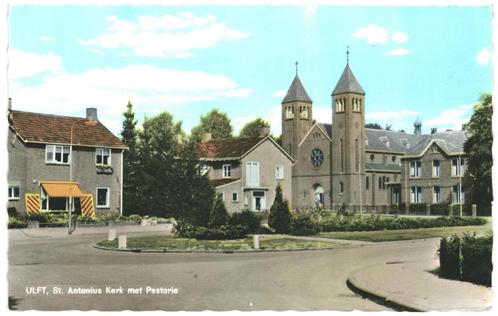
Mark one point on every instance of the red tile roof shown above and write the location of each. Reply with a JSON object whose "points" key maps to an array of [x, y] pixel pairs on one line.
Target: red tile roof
{"points": [[46, 128], [227, 147]]}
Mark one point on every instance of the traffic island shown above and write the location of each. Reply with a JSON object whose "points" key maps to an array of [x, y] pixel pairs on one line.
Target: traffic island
{"points": [[269, 243]]}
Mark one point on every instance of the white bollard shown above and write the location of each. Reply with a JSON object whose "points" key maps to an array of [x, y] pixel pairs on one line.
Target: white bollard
{"points": [[474, 210], [256, 241], [122, 242], [112, 235]]}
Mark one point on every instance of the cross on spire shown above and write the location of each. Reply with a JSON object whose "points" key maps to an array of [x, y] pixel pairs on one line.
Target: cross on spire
{"points": [[296, 63], [347, 55]]}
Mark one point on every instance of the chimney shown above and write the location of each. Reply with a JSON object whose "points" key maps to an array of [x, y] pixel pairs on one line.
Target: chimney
{"points": [[206, 137], [9, 105], [91, 114], [433, 130], [417, 127], [264, 131]]}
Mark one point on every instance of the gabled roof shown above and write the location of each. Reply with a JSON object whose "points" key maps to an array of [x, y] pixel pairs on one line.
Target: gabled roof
{"points": [[296, 92], [451, 142], [219, 182], [233, 148], [348, 83], [56, 129]]}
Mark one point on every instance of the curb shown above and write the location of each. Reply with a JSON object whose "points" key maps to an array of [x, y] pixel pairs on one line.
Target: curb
{"points": [[140, 250], [379, 298]]}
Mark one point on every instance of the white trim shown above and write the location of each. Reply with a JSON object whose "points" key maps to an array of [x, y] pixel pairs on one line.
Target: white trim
{"points": [[102, 149], [277, 173], [14, 198], [54, 161], [108, 202], [228, 174]]}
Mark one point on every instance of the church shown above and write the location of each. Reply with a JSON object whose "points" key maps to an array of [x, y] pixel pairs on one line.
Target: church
{"points": [[344, 163]]}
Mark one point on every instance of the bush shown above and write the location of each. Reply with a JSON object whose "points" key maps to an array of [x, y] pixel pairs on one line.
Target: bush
{"points": [[477, 265], [40, 217], [245, 218], [449, 257], [220, 233], [183, 229], [135, 218], [218, 215], [279, 218], [303, 225]]}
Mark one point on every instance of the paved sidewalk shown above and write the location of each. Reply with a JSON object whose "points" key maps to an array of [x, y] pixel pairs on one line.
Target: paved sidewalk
{"points": [[410, 286], [61, 232]]}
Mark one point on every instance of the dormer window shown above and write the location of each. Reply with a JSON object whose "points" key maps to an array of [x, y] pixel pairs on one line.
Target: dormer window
{"points": [[434, 149], [103, 157], [57, 154]]}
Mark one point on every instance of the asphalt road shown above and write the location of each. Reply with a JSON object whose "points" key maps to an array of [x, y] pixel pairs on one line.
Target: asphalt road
{"points": [[310, 280]]}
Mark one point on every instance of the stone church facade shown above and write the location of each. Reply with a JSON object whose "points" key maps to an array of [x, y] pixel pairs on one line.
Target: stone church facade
{"points": [[346, 163]]}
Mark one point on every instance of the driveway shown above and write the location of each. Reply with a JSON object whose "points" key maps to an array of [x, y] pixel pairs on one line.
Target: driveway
{"points": [[310, 280]]}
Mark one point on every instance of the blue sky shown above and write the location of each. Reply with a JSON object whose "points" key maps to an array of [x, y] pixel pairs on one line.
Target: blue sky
{"points": [[426, 62]]}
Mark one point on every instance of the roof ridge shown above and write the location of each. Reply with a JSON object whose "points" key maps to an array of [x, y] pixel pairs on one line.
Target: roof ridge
{"points": [[46, 114]]}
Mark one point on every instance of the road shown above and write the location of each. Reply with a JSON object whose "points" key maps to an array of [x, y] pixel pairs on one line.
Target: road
{"points": [[310, 280]]}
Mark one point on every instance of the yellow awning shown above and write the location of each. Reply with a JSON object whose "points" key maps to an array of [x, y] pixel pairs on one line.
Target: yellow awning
{"points": [[61, 188]]}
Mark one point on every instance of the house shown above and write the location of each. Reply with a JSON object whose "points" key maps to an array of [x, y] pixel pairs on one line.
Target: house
{"points": [[345, 163], [56, 162], [246, 171]]}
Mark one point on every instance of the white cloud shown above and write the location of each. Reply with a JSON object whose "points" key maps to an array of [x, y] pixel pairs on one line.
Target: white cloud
{"points": [[483, 57], [399, 37], [25, 64], [96, 51], [373, 33], [45, 38], [397, 119], [279, 93], [170, 36], [151, 89], [398, 52], [452, 118]]}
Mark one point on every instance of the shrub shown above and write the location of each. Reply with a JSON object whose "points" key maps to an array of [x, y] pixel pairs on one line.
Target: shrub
{"points": [[279, 218], [449, 257], [303, 225], [40, 217], [245, 218], [218, 215], [219, 233], [477, 265]]}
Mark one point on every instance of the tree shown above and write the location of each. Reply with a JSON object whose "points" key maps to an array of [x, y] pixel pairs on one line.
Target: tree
{"points": [[218, 215], [215, 122], [252, 128], [130, 160], [373, 125], [279, 218], [479, 154]]}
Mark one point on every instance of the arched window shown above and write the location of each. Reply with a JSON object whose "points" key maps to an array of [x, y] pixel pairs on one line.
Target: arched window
{"points": [[356, 155], [341, 187], [372, 156], [342, 156], [367, 182], [380, 183]]}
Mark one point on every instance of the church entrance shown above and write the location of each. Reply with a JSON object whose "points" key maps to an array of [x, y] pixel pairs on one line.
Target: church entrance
{"points": [[318, 199]]}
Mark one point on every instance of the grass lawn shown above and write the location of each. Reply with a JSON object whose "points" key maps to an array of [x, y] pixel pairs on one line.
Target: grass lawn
{"points": [[173, 243], [406, 234]]}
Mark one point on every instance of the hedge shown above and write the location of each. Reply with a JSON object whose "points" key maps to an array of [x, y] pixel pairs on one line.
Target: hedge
{"points": [[467, 259], [246, 218]]}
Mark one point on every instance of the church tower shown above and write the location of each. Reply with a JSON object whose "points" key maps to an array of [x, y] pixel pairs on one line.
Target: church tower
{"points": [[348, 135], [297, 116]]}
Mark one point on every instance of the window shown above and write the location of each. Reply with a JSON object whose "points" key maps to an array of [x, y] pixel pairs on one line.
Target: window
{"points": [[279, 172], [415, 168], [103, 157], [339, 105], [436, 194], [393, 158], [356, 105], [235, 197], [103, 197], [252, 173], [58, 204], [303, 112], [367, 183], [457, 165], [457, 196], [227, 171], [13, 192], [289, 112], [57, 154], [380, 183], [415, 195], [341, 188], [434, 149], [372, 156], [435, 169]]}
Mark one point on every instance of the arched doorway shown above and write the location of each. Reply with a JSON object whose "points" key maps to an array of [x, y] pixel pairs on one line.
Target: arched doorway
{"points": [[318, 197]]}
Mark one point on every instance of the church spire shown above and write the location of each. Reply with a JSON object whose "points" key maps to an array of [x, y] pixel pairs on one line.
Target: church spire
{"points": [[296, 91], [348, 83]]}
